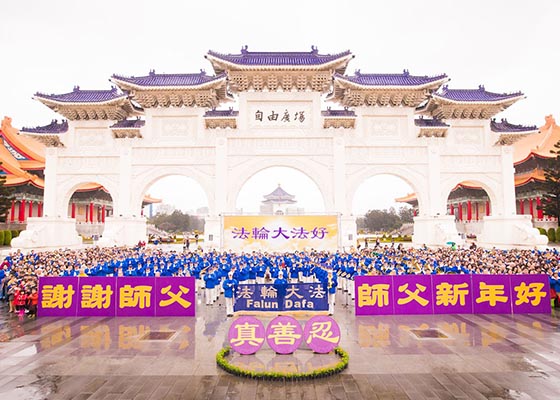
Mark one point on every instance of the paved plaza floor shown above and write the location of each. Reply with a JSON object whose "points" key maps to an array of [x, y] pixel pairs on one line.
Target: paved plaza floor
{"points": [[463, 356]]}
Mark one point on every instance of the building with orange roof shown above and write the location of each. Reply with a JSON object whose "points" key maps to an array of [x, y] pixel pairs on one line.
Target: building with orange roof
{"points": [[469, 202], [22, 154]]}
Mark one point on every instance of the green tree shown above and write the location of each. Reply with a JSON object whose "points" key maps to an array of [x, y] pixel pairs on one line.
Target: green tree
{"points": [[177, 222], [6, 194], [406, 215], [551, 186], [382, 220]]}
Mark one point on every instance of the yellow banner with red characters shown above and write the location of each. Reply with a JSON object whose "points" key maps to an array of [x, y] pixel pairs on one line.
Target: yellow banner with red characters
{"points": [[279, 233]]}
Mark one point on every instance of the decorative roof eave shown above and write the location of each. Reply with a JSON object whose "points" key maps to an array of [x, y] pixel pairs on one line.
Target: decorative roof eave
{"points": [[220, 123], [507, 139], [218, 81], [431, 131], [284, 201], [339, 122], [464, 110], [338, 65], [373, 97], [49, 140], [210, 98]]}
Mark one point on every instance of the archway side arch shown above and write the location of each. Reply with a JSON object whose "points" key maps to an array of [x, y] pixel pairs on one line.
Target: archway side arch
{"points": [[69, 186], [321, 178], [413, 177], [485, 182], [144, 180]]}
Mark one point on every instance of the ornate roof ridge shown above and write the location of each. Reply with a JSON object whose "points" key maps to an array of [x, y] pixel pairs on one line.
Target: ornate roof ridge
{"points": [[278, 58], [53, 128], [430, 122], [136, 123], [154, 79], [505, 126], [221, 113], [391, 79]]}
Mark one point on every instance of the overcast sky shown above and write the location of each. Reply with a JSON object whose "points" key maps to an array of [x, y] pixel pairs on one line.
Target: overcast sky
{"points": [[50, 46]]}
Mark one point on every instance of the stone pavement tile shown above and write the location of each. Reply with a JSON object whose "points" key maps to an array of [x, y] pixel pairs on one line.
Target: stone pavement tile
{"points": [[364, 387]]}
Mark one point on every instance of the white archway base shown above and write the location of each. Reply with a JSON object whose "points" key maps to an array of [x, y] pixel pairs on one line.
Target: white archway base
{"points": [[512, 230], [435, 231], [123, 231], [48, 232]]}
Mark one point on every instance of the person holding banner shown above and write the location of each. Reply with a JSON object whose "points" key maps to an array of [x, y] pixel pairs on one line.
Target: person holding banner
{"points": [[230, 287], [330, 284], [280, 285]]}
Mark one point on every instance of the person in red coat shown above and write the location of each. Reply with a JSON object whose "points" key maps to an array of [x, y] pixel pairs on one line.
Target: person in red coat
{"points": [[33, 300], [20, 299]]}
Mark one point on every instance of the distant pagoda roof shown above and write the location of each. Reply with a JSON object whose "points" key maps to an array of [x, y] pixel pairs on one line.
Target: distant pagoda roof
{"points": [[278, 60], [383, 90], [468, 103], [53, 128], [392, 80], [162, 81], [279, 195]]}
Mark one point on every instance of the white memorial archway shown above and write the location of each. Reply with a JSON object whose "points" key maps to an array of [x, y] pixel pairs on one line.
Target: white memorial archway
{"points": [[166, 124]]}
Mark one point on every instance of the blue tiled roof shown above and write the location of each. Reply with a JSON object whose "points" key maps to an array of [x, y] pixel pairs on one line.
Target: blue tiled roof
{"points": [[475, 95], [338, 113], [504, 126], [404, 79], [54, 127], [162, 80], [221, 113], [430, 123], [258, 58], [83, 96], [129, 124]]}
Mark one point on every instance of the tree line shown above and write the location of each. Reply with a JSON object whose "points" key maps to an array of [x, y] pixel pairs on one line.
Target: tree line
{"points": [[385, 220]]}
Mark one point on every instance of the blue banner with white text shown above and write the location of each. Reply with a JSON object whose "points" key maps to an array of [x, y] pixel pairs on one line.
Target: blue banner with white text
{"points": [[290, 297]]}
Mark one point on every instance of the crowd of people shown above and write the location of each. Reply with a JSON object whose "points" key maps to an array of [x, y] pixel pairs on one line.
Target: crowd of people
{"points": [[219, 272]]}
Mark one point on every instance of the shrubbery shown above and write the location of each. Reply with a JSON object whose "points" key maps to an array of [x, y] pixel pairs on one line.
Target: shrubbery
{"points": [[7, 238], [551, 234]]}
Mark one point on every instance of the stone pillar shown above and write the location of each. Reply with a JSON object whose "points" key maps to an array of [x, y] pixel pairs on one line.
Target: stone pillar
{"points": [[347, 222], [103, 213], [73, 212], [91, 212], [469, 211], [433, 226], [487, 207], [540, 212], [54, 229], [30, 213], [40, 209], [460, 211], [21, 216], [531, 208], [505, 227], [521, 206], [13, 211]]}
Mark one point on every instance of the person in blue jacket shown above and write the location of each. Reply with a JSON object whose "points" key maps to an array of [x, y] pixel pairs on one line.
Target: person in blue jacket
{"points": [[280, 284], [330, 283], [230, 287]]}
